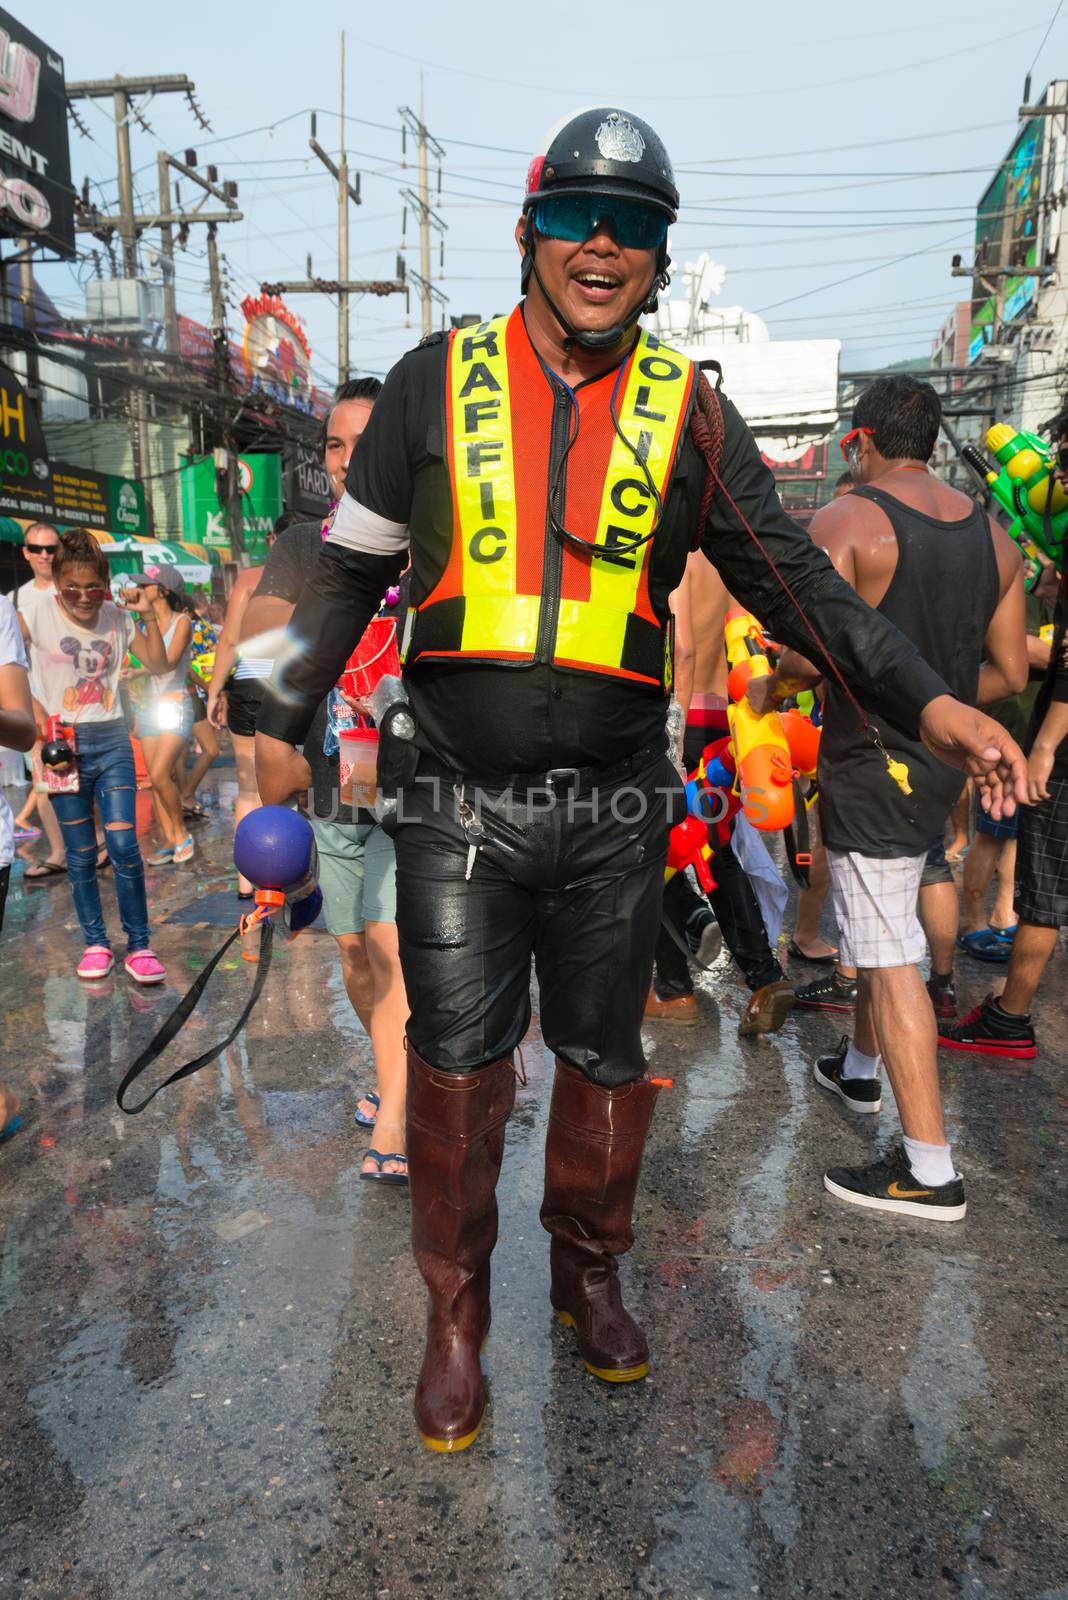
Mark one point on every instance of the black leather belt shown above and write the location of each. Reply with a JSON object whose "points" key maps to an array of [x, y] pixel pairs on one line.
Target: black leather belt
{"points": [[557, 781]]}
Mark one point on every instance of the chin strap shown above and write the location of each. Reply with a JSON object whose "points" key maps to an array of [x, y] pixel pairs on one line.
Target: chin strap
{"points": [[605, 338]]}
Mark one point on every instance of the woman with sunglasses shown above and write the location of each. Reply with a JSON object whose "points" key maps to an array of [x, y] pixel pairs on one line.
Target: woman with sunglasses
{"points": [[166, 719], [79, 642]]}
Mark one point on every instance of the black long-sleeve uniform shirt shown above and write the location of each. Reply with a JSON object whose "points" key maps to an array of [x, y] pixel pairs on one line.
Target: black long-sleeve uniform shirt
{"points": [[494, 719]]}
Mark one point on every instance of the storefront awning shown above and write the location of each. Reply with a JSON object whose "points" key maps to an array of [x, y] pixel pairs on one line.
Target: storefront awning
{"points": [[128, 555]]}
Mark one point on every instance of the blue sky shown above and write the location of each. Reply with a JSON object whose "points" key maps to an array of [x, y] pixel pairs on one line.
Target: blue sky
{"points": [[830, 156]]}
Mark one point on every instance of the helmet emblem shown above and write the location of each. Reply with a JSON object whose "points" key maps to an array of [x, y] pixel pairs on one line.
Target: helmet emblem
{"points": [[618, 139]]}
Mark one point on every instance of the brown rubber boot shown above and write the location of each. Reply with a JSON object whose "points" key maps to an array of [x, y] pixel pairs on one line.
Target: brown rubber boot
{"points": [[455, 1142], [593, 1154]]}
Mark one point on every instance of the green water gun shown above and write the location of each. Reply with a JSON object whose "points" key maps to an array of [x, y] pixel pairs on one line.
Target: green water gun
{"points": [[1027, 488]]}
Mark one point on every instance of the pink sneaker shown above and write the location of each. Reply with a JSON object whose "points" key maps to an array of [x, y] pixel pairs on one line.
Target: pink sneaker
{"points": [[97, 962], [144, 967]]}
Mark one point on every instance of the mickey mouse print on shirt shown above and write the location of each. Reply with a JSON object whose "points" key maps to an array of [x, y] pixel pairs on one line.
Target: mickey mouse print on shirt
{"points": [[90, 660]]}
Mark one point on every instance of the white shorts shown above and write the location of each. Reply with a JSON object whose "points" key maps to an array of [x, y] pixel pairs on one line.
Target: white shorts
{"points": [[875, 904]]}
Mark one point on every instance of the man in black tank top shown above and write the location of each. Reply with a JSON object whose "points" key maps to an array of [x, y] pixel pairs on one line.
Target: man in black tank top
{"points": [[934, 563]]}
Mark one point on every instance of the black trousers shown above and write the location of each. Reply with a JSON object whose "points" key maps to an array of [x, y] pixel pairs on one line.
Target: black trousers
{"points": [[571, 878], [734, 903]]}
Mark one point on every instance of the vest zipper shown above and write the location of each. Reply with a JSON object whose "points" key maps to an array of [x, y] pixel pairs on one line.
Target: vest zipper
{"points": [[552, 565]]}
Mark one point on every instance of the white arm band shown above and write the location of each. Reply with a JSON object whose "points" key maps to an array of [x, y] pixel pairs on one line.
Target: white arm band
{"points": [[359, 529]]}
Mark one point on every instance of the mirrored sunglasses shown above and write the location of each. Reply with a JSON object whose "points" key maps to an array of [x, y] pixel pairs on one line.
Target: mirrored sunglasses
{"points": [[577, 217]]}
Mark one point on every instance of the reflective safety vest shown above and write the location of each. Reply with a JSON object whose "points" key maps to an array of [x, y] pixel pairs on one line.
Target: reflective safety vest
{"points": [[512, 591]]}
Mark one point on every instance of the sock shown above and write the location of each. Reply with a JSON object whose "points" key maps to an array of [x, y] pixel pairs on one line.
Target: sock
{"points": [[931, 1163], [857, 1065]]}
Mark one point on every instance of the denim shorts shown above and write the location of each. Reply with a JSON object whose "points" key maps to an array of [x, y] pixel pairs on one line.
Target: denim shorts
{"points": [[166, 714]]}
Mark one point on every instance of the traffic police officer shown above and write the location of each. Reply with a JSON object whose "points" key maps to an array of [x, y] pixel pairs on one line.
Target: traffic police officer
{"points": [[547, 474]]}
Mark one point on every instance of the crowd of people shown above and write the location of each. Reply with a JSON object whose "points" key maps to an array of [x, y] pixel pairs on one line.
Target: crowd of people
{"points": [[559, 510]]}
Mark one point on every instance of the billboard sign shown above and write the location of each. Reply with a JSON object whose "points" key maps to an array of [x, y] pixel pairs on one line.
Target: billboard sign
{"points": [[259, 482], [33, 487], [276, 349], [36, 198], [1007, 232]]}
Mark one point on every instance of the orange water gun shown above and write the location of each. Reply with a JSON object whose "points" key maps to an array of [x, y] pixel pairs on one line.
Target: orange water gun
{"points": [[765, 767]]}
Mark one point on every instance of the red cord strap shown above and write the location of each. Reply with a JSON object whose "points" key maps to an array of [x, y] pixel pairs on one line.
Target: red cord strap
{"points": [[706, 430]]}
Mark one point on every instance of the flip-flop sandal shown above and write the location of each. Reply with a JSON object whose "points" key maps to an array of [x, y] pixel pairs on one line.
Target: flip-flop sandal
{"points": [[194, 813], [44, 869], [102, 859], [9, 1130], [385, 1177], [162, 858], [184, 851], [814, 961], [984, 945], [1007, 935], [367, 1122]]}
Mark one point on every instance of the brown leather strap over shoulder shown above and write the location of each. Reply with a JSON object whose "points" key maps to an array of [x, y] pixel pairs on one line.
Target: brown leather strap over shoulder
{"points": [[706, 431]]}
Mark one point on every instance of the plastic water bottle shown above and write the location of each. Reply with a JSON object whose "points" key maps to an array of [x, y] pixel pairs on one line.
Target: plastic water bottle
{"points": [[274, 848]]}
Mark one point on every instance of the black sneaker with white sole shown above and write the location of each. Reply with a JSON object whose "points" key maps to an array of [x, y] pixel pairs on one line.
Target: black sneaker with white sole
{"points": [[859, 1094], [891, 1185], [703, 937], [832, 993]]}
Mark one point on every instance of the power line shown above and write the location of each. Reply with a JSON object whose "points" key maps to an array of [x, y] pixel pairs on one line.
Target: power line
{"points": [[1045, 36]]}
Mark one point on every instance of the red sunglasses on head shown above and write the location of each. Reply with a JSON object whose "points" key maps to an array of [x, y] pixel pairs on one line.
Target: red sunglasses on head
{"points": [[851, 438]]}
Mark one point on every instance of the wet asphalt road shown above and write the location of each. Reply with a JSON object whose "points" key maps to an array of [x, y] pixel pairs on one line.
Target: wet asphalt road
{"points": [[210, 1329]]}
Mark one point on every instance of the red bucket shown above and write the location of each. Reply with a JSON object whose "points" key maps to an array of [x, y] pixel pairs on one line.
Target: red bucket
{"points": [[374, 658]]}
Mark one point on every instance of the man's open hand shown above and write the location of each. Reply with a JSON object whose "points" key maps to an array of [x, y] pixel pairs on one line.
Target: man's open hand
{"points": [[281, 771], [963, 737]]}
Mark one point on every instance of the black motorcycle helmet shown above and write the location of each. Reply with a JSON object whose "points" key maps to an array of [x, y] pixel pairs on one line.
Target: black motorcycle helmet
{"points": [[602, 151]]}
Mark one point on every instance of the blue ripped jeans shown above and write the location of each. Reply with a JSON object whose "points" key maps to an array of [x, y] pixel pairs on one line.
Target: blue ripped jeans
{"points": [[105, 775]]}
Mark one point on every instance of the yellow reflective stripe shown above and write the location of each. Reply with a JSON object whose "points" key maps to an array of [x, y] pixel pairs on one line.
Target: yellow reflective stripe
{"points": [[654, 396], [495, 618]]}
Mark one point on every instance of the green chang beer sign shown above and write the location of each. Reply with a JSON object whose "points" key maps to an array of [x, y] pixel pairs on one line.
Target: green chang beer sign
{"points": [[127, 506]]}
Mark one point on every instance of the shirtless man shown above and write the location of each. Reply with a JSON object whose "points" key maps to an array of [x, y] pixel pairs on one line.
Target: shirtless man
{"points": [[700, 605]]}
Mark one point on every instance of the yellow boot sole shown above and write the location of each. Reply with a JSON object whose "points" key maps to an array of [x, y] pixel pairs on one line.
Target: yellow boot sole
{"points": [[607, 1374], [462, 1442]]}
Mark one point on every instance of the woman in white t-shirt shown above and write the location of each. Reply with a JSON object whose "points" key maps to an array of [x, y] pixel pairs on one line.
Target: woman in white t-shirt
{"points": [[165, 721], [79, 643]]}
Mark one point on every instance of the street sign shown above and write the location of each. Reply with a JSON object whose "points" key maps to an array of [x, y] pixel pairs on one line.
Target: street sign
{"points": [[36, 198], [308, 486]]}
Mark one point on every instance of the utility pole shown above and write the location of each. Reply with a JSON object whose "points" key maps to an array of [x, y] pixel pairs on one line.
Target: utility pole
{"points": [[343, 237], [123, 92], [25, 260], [166, 254], [341, 285], [426, 145], [235, 522]]}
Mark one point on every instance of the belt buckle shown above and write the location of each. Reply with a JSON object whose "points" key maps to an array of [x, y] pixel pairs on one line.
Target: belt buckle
{"points": [[555, 774]]}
